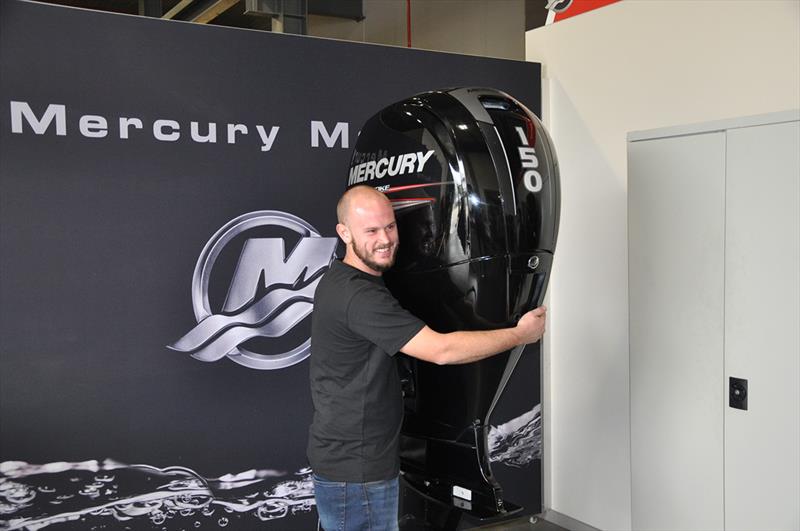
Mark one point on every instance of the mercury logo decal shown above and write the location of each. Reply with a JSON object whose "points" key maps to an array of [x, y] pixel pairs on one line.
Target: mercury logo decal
{"points": [[263, 267], [389, 166]]}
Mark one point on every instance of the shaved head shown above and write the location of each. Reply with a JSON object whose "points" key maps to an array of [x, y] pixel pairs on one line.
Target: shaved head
{"points": [[355, 197], [368, 229]]}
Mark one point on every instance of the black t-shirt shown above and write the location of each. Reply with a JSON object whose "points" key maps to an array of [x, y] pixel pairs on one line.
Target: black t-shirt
{"points": [[356, 328]]}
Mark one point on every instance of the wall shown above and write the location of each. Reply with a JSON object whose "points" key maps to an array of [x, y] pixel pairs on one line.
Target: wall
{"points": [[630, 66], [491, 28]]}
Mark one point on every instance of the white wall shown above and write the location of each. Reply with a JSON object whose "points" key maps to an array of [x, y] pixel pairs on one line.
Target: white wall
{"points": [[630, 66]]}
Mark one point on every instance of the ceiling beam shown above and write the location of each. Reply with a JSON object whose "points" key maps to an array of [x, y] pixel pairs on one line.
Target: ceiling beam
{"points": [[200, 11], [180, 6], [213, 11]]}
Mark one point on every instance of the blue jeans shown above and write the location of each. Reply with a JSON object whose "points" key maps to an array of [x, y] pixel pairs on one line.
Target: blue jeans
{"points": [[357, 506]]}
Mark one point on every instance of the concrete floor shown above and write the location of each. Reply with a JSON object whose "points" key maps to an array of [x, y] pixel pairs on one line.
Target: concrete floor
{"points": [[522, 524]]}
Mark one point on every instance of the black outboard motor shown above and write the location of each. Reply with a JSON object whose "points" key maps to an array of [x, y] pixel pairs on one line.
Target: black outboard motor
{"points": [[473, 178]]}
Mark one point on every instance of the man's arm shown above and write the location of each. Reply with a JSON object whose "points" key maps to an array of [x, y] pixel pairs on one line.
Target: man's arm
{"points": [[469, 346]]}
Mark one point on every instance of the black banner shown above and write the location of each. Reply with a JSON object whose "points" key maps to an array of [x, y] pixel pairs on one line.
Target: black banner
{"points": [[138, 160]]}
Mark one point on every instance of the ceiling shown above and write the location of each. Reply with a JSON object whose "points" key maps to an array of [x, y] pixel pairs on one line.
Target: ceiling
{"points": [[234, 12]]}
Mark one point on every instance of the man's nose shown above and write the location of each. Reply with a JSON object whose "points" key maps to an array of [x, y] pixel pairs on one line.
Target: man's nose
{"points": [[385, 236]]}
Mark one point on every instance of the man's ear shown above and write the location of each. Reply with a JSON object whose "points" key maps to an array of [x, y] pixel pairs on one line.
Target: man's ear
{"points": [[344, 233]]}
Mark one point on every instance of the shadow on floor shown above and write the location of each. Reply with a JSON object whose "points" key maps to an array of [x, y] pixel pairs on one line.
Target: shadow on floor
{"points": [[524, 523]]}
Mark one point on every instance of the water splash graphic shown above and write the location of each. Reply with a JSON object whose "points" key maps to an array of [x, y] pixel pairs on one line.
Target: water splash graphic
{"points": [[518, 442], [111, 495], [93, 495]]}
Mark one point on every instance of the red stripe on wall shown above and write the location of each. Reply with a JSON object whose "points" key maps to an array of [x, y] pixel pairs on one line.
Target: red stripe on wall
{"points": [[582, 6]]}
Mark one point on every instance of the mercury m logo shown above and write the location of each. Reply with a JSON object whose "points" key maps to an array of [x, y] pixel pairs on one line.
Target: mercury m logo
{"points": [[286, 285]]}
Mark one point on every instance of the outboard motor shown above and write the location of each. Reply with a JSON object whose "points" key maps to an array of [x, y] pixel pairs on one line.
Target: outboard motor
{"points": [[473, 178]]}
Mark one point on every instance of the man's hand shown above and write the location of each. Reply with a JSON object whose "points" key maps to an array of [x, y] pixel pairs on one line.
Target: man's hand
{"points": [[530, 326]]}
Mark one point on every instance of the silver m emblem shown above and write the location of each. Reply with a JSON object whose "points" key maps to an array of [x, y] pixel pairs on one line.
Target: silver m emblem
{"points": [[262, 264]]}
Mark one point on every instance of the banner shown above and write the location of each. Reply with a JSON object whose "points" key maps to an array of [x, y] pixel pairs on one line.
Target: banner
{"points": [[167, 194]]}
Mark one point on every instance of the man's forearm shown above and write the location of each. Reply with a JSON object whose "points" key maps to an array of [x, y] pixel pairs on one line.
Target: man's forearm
{"points": [[469, 346]]}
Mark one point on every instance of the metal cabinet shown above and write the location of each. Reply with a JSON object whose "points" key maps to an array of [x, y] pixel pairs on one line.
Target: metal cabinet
{"points": [[714, 288]]}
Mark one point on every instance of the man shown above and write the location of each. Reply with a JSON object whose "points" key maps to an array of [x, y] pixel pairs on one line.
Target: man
{"points": [[357, 326]]}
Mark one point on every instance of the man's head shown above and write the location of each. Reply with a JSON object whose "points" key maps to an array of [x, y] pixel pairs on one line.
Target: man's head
{"points": [[368, 228]]}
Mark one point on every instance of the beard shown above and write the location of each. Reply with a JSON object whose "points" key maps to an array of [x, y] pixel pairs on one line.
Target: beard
{"points": [[367, 257]]}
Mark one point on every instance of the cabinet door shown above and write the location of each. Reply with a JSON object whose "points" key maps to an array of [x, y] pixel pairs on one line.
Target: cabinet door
{"points": [[676, 200], [762, 327]]}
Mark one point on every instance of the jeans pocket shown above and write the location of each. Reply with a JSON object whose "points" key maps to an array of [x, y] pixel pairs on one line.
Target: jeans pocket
{"points": [[326, 482], [330, 498]]}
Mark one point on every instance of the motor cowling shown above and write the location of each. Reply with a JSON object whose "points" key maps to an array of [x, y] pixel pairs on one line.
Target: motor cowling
{"points": [[473, 178]]}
